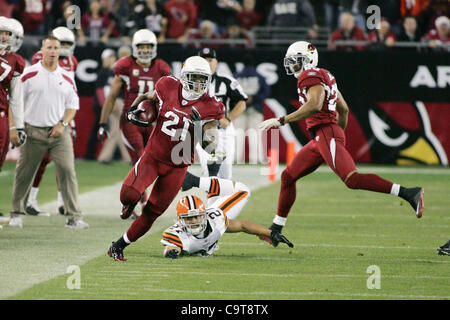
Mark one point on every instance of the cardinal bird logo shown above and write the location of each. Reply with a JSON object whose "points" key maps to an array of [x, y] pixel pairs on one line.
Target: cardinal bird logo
{"points": [[406, 140]]}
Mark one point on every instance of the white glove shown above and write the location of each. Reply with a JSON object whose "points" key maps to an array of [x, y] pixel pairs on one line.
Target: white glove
{"points": [[270, 123]]}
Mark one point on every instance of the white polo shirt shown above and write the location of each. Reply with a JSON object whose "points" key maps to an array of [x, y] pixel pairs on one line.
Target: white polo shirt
{"points": [[47, 95]]}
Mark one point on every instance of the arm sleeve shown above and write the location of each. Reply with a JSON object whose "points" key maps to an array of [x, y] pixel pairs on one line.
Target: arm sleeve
{"points": [[16, 101], [169, 238]]}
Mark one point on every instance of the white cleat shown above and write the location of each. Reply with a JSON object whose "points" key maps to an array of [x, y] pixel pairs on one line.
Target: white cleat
{"points": [[79, 224], [16, 222]]}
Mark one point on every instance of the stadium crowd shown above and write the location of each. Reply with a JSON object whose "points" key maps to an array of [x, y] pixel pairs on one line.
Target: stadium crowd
{"points": [[219, 23]]}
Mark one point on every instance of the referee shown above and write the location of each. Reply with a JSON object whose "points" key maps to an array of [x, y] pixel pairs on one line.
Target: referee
{"points": [[50, 103], [230, 92]]}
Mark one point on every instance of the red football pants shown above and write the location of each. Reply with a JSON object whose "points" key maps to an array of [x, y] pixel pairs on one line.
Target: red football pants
{"points": [[135, 138], [327, 146], [168, 182]]}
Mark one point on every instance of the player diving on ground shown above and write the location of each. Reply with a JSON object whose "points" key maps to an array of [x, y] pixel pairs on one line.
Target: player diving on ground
{"points": [[198, 229]]}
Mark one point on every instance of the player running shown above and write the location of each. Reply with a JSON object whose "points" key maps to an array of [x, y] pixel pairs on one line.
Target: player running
{"points": [[326, 114], [187, 114], [134, 76], [198, 229], [68, 62]]}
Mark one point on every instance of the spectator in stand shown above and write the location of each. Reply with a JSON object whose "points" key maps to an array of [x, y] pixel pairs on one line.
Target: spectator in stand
{"points": [[409, 32], [222, 12], [181, 18], [358, 9], [248, 17], [96, 23], [382, 37], [347, 31], [203, 36], [440, 34], [293, 13], [413, 8], [235, 32], [31, 13], [148, 15]]}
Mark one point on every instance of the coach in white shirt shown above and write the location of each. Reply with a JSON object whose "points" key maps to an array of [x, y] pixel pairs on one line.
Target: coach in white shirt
{"points": [[50, 103]]}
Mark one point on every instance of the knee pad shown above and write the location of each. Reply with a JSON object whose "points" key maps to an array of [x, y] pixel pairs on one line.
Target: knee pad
{"points": [[129, 195], [353, 181]]}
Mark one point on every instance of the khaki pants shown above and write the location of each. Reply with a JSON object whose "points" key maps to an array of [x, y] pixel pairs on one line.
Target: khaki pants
{"points": [[32, 152], [114, 137]]}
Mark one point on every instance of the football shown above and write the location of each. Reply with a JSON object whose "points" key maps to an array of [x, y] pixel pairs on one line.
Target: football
{"points": [[151, 111]]}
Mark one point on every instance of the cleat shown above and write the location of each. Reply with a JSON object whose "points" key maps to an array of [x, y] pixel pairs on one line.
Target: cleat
{"points": [[444, 250], [189, 182], [61, 210], [116, 253], [415, 198], [16, 222], [33, 209], [127, 211], [78, 224]]}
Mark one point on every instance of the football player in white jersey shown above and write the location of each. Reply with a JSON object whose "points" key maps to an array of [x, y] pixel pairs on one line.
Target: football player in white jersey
{"points": [[198, 229]]}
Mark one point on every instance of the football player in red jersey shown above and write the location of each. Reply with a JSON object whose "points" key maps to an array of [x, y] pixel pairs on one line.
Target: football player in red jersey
{"points": [[68, 62], [11, 102], [187, 114], [326, 114], [134, 76]]}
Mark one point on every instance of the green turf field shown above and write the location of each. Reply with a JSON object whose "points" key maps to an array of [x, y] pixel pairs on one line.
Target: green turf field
{"points": [[338, 234]]}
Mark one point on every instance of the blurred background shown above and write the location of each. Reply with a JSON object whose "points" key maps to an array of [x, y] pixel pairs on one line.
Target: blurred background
{"points": [[390, 59]]}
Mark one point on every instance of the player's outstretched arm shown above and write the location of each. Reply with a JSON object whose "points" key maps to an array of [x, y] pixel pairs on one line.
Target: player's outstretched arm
{"points": [[316, 96], [342, 110], [250, 227]]}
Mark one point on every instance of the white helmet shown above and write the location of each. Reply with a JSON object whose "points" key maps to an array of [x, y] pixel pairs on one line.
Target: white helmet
{"points": [[17, 34], [300, 55], [144, 36], [195, 76], [67, 39], [5, 25]]}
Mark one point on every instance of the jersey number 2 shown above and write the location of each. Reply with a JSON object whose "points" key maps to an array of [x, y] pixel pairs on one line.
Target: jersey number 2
{"points": [[174, 119]]}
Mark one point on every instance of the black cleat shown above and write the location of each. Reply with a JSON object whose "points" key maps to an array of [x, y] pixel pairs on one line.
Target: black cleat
{"points": [[415, 198], [444, 250], [31, 211], [61, 210], [116, 253], [190, 181]]}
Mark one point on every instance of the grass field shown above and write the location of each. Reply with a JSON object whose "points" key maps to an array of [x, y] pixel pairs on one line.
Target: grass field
{"points": [[338, 233]]}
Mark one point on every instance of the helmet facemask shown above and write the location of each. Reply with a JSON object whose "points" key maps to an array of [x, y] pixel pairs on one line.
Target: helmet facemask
{"points": [[194, 221], [195, 83], [67, 48], [145, 52], [295, 64]]}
